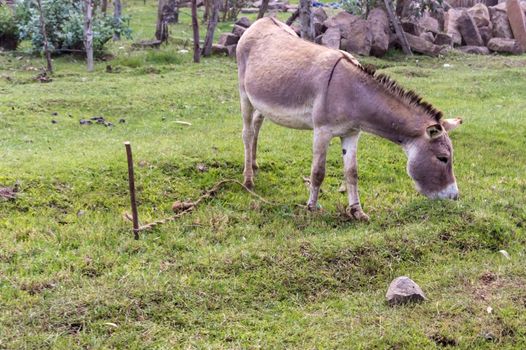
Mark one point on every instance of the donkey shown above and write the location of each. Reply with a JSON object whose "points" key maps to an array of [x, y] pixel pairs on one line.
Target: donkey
{"points": [[301, 85]]}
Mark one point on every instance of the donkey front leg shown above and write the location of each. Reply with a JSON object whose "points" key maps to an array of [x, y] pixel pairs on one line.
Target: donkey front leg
{"points": [[350, 169], [319, 155], [248, 139]]}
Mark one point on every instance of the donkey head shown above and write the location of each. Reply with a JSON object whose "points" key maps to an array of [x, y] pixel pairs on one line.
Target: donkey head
{"points": [[430, 161]]}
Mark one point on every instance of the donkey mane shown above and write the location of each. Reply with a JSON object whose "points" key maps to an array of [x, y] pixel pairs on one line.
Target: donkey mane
{"points": [[408, 95]]}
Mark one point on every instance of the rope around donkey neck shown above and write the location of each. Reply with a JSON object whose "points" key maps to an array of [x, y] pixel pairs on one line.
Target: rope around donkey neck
{"points": [[182, 208]]}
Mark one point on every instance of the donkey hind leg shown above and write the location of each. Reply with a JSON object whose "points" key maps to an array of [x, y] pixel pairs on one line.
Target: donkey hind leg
{"points": [[350, 169], [257, 121], [248, 138], [319, 155]]}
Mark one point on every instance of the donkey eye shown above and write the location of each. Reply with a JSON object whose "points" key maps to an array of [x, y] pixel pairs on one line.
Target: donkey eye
{"points": [[442, 159]]}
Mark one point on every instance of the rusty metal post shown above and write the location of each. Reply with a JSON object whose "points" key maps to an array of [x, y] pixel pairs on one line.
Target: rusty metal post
{"points": [[131, 182]]}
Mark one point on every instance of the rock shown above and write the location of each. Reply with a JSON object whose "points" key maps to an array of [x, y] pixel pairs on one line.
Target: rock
{"points": [[412, 28], [500, 23], [468, 29], [54, 113], [342, 20], [504, 45], [122, 121], [331, 38], [443, 39], [379, 26], [517, 22], [486, 34], [477, 50], [243, 22], [428, 36], [53, 121], [231, 49], [219, 50], [318, 17], [238, 30], [8, 192], [423, 46], [480, 14], [227, 39], [85, 122], [359, 38], [404, 290], [451, 25], [429, 23]]}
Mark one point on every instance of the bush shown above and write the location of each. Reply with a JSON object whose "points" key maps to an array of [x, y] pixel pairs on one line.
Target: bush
{"points": [[65, 26], [9, 37]]}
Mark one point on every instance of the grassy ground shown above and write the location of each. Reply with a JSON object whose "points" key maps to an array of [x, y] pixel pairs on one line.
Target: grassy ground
{"points": [[238, 273]]}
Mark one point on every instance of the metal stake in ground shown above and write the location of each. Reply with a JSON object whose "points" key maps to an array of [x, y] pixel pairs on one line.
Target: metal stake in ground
{"points": [[131, 181]]}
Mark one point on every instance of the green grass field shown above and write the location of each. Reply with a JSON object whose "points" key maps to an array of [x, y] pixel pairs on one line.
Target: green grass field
{"points": [[239, 273]]}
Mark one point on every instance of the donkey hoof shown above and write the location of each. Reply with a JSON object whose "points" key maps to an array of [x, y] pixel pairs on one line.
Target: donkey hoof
{"points": [[249, 183], [357, 214], [314, 207]]}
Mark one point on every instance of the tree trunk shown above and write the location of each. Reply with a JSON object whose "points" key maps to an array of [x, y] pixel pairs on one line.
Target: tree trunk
{"points": [[263, 8], [88, 33], [307, 31], [293, 17], [117, 13], [225, 10], [161, 29], [212, 23], [104, 6], [195, 29], [206, 14], [44, 35], [398, 28]]}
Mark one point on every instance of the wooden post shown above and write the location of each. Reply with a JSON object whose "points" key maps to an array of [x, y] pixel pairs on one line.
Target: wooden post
{"points": [[161, 30], [131, 182], [44, 35], [88, 34], [195, 28], [398, 28]]}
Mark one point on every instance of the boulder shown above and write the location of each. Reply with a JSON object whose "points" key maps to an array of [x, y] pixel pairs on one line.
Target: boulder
{"points": [[318, 17], [451, 25], [477, 50], [342, 20], [359, 37], [504, 45], [238, 30], [428, 36], [423, 46], [429, 23], [469, 30], [404, 290], [412, 27], [443, 39], [243, 22], [485, 33], [231, 49], [480, 14], [219, 50], [500, 23], [517, 22], [227, 39], [331, 38], [379, 26]]}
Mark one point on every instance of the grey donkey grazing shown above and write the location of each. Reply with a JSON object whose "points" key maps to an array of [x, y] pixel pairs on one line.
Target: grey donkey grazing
{"points": [[301, 85]]}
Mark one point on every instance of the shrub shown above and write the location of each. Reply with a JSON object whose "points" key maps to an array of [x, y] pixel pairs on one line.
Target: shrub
{"points": [[65, 26], [9, 37]]}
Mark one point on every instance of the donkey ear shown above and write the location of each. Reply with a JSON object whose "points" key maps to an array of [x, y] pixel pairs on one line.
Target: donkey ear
{"points": [[434, 131], [450, 124]]}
